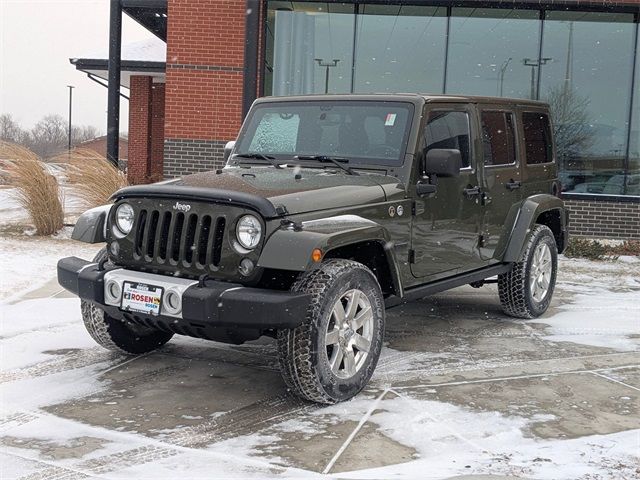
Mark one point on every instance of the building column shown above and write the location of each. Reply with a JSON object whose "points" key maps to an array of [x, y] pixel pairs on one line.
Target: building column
{"points": [[146, 130], [205, 71]]}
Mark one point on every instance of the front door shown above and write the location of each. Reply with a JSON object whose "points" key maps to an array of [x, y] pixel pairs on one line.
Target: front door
{"points": [[501, 176], [446, 225]]}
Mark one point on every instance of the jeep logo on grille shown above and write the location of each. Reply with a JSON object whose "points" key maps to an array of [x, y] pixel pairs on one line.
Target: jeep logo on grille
{"points": [[183, 207]]}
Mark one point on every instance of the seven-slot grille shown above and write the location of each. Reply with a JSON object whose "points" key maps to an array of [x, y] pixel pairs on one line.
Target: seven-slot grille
{"points": [[178, 238]]}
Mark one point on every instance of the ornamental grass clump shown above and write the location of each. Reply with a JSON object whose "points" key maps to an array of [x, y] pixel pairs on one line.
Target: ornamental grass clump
{"points": [[92, 178], [36, 190]]}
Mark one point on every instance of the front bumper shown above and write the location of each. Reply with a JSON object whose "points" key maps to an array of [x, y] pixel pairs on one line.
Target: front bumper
{"points": [[216, 304]]}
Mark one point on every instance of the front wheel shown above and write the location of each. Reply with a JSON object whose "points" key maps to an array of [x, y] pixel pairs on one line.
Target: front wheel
{"points": [[526, 290], [331, 356], [119, 335]]}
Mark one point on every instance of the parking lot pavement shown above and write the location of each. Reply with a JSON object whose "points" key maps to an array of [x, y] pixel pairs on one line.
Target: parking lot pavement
{"points": [[461, 391]]}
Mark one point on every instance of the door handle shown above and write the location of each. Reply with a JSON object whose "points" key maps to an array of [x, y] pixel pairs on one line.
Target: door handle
{"points": [[513, 184], [470, 192]]}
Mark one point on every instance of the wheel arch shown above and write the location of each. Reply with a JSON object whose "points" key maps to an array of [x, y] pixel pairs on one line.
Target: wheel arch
{"points": [[545, 209]]}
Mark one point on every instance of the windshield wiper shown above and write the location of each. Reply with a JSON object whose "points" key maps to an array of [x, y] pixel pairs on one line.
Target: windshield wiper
{"points": [[337, 161], [259, 156]]}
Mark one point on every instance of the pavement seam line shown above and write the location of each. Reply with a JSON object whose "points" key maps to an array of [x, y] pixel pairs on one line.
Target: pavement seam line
{"points": [[615, 381], [515, 377], [355, 431]]}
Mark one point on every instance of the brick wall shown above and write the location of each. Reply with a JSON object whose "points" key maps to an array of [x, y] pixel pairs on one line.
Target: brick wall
{"points": [[604, 219], [139, 128], [205, 68], [183, 157], [146, 130]]}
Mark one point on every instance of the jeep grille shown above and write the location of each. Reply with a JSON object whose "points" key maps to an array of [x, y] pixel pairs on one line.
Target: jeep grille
{"points": [[181, 239]]}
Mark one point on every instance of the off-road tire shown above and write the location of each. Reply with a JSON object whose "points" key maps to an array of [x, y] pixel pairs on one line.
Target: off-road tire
{"points": [[119, 335], [303, 359], [514, 286]]}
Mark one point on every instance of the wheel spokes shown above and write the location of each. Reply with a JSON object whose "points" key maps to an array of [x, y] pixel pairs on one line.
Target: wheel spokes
{"points": [[332, 337], [336, 360], [352, 305], [338, 313], [361, 343], [349, 362], [363, 315]]}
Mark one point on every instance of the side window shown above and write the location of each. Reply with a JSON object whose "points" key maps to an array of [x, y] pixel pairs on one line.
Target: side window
{"points": [[447, 129], [498, 138], [537, 138]]}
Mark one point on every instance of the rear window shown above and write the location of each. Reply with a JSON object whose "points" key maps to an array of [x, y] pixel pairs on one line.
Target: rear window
{"points": [[537, 138], [498, 138]]}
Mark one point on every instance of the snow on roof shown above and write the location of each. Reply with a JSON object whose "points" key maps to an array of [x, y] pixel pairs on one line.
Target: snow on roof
{"points": [[150, 50]]}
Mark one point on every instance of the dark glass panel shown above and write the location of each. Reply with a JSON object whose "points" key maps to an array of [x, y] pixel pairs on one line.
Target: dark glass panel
{"points": [[493, 52], [537, 138], [587, 83], [498, 138], [400, 48]]}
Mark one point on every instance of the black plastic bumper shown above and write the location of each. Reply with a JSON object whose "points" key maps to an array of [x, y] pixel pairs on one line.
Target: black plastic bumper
{"points": [[218, 304]]}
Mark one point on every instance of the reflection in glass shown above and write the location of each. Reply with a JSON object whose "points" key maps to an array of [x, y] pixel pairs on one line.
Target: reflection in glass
{"points": [[491, 52], [400, 48], [588, 87], [310, 46], [633, 174]]}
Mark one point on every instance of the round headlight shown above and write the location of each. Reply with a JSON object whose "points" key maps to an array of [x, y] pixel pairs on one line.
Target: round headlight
{"points": [[124, 218], [249, 232]]}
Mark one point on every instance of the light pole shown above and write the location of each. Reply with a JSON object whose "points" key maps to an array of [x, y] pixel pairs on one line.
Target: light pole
{"points": [[70, 87], [503, 70], [329, 64], [528, 62]]}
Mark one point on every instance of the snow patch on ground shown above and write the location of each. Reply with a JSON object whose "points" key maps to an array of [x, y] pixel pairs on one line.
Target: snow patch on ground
{"points": [[29, 262]]}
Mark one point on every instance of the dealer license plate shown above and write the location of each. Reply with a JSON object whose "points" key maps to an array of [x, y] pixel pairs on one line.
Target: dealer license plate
{"points": [[142, 298]]}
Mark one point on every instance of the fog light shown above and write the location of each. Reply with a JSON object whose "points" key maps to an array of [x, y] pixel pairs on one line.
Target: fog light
{"points": [[246, 267], [172, 302], [113, 291]]}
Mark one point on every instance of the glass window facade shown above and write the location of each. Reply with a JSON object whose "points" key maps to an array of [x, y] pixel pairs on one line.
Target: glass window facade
{"points": [[581, 63]]}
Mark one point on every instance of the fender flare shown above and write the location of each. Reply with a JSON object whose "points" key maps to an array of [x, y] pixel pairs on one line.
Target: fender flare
{"points": [[525, 219], [290, 248], [91, 225]]}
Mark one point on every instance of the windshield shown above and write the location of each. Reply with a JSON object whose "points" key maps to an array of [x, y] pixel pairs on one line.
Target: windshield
{"points": [[362, 131]]}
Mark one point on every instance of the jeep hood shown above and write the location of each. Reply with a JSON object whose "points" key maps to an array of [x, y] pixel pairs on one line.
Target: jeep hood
{"points": [[274, 192]]}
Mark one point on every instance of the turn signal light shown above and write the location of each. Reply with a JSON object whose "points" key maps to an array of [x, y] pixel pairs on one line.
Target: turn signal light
{"points": [[316, 255]]}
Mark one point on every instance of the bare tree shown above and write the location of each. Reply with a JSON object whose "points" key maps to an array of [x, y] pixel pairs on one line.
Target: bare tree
{"points": [[571, 122], [10, 131], [83, 134], [49, 136]]}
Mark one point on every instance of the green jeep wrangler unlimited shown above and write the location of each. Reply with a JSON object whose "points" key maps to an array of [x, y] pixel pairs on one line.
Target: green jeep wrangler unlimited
{"points": [[329, 209]]}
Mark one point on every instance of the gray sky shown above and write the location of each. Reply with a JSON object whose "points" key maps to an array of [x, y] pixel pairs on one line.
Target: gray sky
{"points": [[37, 38]]}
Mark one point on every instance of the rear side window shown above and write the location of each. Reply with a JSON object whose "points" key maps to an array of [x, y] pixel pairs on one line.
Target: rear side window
{"points": [[449, 129], [498, 138], [537, 138]]}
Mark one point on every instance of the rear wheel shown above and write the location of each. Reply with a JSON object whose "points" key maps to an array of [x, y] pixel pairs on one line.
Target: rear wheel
{"points": [[526, 290], [119, 335], [332, 355]]}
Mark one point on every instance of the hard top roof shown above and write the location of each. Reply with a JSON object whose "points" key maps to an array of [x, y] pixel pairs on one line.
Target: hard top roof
{"points": [[411, 97]]}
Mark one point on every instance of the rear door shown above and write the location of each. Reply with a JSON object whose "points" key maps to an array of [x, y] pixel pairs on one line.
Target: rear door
{"points": [[501, 181], [445, 226]]}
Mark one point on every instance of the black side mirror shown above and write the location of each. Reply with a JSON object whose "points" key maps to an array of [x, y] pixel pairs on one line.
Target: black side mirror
{"points": [[443, 162], [228, 148]]}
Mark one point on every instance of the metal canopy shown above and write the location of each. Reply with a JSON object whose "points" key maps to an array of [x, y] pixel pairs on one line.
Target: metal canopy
{"points": [[151, 14]]}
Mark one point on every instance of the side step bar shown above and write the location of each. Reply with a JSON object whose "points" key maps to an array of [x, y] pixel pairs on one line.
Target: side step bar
{"points": [[447, 283]]}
